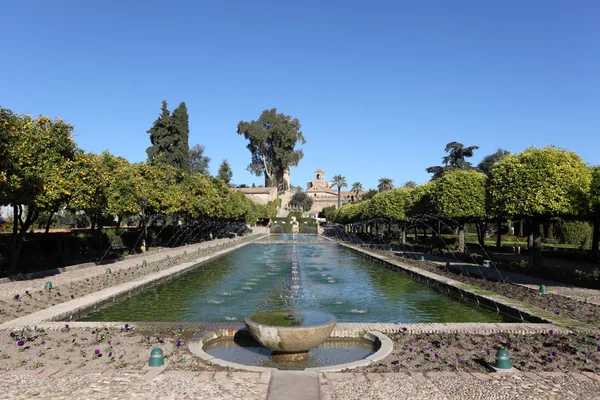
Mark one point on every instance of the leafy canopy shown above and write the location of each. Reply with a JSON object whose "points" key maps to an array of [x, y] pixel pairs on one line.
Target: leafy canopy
{"points": [[272, 140]]}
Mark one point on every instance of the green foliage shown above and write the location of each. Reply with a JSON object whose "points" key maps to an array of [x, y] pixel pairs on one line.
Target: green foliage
{"points": [[420, 200], [370, 194], [340, 182], [485, 166], [459, 194], [454, 160], [272, 139], [225, 173], [540, 183], [169, 136], [595, 191], [199, 163], [302, 200], [328, 213], [390, 205], [577, 233], [385, 184]]}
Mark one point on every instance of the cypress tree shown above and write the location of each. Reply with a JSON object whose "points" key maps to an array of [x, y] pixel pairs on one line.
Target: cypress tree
{"points": [[169, 136], [181, 148], [159, 135]]}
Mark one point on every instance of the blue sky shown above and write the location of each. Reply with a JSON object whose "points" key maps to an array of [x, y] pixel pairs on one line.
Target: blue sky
{"points": [[379, 87]]}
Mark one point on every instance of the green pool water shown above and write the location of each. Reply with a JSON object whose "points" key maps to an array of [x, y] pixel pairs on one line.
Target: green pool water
{"points": [[295, 276]]}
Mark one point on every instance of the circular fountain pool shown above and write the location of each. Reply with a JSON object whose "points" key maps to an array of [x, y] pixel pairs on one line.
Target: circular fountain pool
{"points": [[242, 351]]}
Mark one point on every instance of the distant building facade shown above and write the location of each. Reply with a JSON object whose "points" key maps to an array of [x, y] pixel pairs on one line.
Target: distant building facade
{"points": [[319, 190]]}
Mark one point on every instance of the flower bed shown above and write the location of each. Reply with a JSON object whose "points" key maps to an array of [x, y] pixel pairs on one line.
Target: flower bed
{"points": [[470, 353]]}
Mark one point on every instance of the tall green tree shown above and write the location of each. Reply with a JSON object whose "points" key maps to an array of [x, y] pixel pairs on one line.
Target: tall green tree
{"points": [[357, 189], [339, 181], [410, 184], [37, 157], [272, 140], [539, 184], [385, 184], [199, 163], [225, 173], [169, 136], [454, 160]]}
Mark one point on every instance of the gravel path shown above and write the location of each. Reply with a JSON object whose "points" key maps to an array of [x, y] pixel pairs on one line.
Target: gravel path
{"points": [[74, 384], [459, 386]]}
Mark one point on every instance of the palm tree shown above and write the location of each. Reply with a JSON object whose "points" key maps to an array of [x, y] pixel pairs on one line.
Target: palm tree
{"points": [[410, 184], [357, 187], [340, 182], [385, 184]]}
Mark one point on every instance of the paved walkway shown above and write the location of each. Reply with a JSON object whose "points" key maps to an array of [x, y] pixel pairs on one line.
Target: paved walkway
{"points": [[159, 384]]}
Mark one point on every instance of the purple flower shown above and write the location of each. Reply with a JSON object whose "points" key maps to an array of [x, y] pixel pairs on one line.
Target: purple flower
{"points": [[93, 331], [106, 329], [20, 343], [126, 326], [395, 362], [17, 297], [27, 292], [67, 326], [457, 358], [58, 293], [553, 354], [178, 343], [403, 329], [508, 344], [549, 359], [488, 352], [110, 354], [551, 332], [436, 356], [427, 334], [12, 334], [97, 351], [35, 328], [43, 342], [410, 350], [598, 348]]}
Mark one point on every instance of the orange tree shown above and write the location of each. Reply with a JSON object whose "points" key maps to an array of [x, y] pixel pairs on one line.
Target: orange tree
{"points": [[37, 157], [460, 195], [539, 184]]}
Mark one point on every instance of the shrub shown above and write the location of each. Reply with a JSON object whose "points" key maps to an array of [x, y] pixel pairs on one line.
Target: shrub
{"points": [[577, 233]]}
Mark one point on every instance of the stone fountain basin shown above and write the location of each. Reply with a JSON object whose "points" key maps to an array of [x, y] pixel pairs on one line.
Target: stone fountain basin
{"points": [[308, 330]]}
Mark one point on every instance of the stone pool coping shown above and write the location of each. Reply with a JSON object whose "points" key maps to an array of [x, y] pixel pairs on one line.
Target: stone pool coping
{"points": [[476, 294], [79, 306], [196, 347]]}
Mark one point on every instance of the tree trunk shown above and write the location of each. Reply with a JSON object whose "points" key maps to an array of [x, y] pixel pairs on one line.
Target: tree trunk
{"points": [[530, 239], [416, 234], [537, 245], [481, 227], [339, 197], [47, 230], [499, 235], [20, 228], [461, 237], [119, 219], [595, 239], [403, 234]]}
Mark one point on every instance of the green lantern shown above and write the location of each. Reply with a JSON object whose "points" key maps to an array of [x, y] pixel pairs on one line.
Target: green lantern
{"points": [[543, 289], [108, 271], [156, 357], [48, 285], [144, 263]]}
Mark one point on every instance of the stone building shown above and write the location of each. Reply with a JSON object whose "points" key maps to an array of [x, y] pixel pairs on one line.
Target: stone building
{"points": [[322, 194], [319, 190]]}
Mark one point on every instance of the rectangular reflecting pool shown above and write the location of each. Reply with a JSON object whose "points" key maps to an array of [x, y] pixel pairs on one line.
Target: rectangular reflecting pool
{"points": [[299, 275]]}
